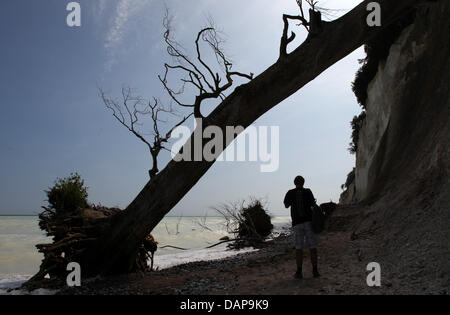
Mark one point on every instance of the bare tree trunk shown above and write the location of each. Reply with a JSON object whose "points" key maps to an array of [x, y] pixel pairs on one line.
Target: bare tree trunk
{"points": [[116, 250]]}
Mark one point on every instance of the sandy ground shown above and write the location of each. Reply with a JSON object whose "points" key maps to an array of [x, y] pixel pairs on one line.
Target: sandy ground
{"points": [[268, 271]]}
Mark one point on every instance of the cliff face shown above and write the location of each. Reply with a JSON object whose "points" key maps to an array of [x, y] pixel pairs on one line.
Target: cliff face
{"points": [[406, 127], [382, 94], [402, 187]]}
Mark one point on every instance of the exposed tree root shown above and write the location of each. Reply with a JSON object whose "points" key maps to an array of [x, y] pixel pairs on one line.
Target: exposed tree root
{"points": [[72, 232]]}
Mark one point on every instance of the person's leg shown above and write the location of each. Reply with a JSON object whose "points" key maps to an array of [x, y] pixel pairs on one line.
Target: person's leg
{"points": [[299, 245], [313, 257], [314, 262], [299, 259], [311, 241]]}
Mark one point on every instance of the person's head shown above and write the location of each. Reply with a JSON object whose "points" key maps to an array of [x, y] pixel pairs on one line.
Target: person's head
{"points": [[299, 181]]}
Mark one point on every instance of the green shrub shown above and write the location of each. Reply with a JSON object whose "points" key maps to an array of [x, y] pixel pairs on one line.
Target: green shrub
{"points": [[68, 194], [377, 50], [356, 124], [350, 179]]}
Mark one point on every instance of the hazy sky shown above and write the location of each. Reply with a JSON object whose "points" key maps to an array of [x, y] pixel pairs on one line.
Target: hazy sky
{"points": [[53, 123]]}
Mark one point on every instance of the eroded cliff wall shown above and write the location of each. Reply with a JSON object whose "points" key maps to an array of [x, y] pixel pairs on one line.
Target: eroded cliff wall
{"points": [[407, 110], [402, 187]]}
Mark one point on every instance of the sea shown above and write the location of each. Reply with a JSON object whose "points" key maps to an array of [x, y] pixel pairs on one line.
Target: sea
{"points": [[180, 240]]}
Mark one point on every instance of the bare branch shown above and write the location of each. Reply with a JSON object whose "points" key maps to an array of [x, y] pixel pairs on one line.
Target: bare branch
{"points": [[175, 247], [202, 223], [313, 26], [128, 111], [198, 74]]}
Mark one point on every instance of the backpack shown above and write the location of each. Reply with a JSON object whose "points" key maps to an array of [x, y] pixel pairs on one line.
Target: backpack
{"points": [[318, 219]]}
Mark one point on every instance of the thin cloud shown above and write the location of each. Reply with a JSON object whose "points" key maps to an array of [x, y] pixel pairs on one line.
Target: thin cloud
{"points": [[101, 7], [125, 12]]}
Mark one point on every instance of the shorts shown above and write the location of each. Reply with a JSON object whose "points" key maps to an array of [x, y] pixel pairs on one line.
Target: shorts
{"points": [[304, 236]]}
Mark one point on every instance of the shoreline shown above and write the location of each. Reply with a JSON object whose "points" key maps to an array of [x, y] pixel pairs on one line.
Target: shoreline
{"points": [[186, 278], [267, 271], [12, 283], [343, 260], [13, 277]]}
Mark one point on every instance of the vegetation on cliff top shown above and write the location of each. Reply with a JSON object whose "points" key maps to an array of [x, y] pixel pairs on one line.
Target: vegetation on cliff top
{"points": [[377, 51]]}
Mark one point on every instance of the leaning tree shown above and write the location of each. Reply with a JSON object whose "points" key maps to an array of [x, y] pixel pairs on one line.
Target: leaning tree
{"points": [[328, 42]]}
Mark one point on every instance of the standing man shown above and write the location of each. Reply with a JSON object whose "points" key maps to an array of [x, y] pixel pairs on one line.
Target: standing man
{"points": [[301, 200]]}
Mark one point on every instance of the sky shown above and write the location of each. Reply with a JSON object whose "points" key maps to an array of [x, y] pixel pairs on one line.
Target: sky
{"points": [[53, 122]]}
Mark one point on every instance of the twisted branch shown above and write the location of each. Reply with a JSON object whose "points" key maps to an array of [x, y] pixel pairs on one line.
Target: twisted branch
{"points": [[313, 26], [127, 113], [198, 73]]}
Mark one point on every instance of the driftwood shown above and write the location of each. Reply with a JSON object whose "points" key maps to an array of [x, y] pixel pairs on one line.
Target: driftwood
{"points": [[240, 240], [175, 247]]}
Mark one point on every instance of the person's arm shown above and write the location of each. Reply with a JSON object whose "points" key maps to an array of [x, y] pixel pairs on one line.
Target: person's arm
{"points": [[287, 200], [313, 199]]}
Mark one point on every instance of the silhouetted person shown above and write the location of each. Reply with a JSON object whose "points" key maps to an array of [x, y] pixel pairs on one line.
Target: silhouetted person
{"points": [[301, 200]]}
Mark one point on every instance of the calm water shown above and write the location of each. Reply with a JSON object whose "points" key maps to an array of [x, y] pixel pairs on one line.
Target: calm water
{"points": [[19, 259]]}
